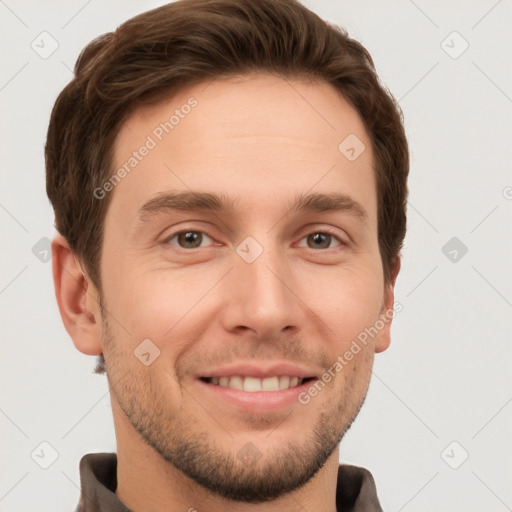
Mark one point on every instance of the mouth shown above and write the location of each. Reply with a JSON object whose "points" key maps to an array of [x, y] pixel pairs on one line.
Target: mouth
{"points": [[255, 384]]}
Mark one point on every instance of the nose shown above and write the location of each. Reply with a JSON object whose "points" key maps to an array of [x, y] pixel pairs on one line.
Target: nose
{"points": [[261, 297]]}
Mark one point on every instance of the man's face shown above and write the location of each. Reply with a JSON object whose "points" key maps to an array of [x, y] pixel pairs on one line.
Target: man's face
{"points": [[257, 289]]}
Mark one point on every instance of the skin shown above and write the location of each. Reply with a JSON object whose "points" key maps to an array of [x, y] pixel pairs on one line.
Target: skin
{"points": [[260, 140]]}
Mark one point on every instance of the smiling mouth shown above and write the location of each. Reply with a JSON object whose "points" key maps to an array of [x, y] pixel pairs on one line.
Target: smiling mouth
{"points": [[254, 384]]}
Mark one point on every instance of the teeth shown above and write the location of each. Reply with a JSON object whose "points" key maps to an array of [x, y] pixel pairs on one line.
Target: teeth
{"points": [[284, 382], [235, 382], [252, 384], [270, 384]]}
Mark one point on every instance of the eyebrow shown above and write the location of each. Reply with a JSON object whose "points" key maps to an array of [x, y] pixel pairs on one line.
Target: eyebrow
{"points": [[333, 202], [184, 201], [197, 201]]}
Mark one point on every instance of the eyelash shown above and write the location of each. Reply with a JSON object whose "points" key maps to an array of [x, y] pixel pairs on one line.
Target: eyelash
{"points": [[322, 231]]}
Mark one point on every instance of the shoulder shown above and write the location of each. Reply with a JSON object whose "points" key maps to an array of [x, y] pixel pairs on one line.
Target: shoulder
{"points": [[356, 490]]}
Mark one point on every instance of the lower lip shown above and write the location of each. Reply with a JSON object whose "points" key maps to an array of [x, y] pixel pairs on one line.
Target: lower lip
{"points": [[257, 401]]}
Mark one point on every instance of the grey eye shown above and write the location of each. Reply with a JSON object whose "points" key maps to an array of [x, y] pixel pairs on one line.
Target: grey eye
{"points": [[319, 240], [189, 239]]}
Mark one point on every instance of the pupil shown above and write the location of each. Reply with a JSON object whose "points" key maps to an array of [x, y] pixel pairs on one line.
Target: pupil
{"points": [[321, 240], [191, 237]]}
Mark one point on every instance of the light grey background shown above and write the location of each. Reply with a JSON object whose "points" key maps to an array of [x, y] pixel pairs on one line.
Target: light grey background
{"points": [[446, 376]]}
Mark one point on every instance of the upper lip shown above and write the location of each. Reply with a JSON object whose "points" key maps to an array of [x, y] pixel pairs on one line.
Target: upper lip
{"points": [[261, 371]]}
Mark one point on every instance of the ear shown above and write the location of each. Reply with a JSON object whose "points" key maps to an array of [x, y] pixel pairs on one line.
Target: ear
{"points": [[383, 339], [77, 299]]}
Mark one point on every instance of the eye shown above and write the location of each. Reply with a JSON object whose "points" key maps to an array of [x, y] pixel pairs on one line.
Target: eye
{"points": [[322, 240], [188, 239]]}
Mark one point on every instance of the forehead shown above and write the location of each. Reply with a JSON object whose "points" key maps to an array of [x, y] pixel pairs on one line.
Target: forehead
{"points": [[256, 137]]}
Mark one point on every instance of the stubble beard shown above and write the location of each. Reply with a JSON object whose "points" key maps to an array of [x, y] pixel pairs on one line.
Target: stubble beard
{"points": [[261, 475]]}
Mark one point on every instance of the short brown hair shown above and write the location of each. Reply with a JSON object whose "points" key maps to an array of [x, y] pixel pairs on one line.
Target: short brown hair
{"points": [[155, 54]]}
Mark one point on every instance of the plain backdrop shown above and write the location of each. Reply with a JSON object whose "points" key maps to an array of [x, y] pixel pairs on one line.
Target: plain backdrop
{"points": [[435, 428]]}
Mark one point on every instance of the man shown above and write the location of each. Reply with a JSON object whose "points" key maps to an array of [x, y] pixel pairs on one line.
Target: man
{"points": [[229, 185]]}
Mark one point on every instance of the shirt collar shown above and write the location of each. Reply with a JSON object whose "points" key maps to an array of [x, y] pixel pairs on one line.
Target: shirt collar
{"points": [[355, 491]]}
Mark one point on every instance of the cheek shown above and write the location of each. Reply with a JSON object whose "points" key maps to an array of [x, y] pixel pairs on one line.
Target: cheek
{"points": [[157, 302], [164, 304], [348, 302]]}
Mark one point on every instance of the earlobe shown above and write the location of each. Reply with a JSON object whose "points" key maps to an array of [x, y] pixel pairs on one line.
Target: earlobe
{"points": [[71, 290], [387, 313]]}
